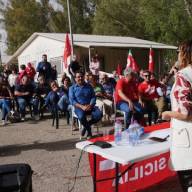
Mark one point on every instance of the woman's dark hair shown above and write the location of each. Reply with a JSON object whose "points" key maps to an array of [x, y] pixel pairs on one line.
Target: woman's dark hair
{"points": [[165, 75], [185, 51], [63, 77], [67, 79], [23, 67]]}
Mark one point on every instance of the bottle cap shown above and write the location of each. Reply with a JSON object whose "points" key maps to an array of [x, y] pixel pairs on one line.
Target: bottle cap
{"points": [[117, 120]]}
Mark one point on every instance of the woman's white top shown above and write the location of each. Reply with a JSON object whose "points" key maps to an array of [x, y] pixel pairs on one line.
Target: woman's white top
{"points": [[181, 101], [12, 79]]}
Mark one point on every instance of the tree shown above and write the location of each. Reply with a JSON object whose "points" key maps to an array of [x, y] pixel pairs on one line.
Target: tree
{"points": [[114, 17], [166, 21], [81, 15], [23, 18], [188, 7]]}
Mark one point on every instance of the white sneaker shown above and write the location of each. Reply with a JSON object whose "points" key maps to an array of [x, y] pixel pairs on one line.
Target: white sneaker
{"points": [[4, 122], [22, 119]]}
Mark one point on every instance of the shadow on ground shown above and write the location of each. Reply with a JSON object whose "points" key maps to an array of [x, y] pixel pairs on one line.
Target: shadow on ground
{"points": [[11, 150]]}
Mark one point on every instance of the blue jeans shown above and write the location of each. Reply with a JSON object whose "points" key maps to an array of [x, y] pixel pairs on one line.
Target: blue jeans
{"points": [[29, 101], [138, 114], [96, 115], [5, 107], [63, 103]]}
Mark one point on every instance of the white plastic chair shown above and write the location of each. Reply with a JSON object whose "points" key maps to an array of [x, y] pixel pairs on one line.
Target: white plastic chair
{"points": [[73, 117], [80, 126]]}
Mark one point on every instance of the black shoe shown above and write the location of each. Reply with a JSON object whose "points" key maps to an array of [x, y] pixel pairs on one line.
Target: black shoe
{"points": [[83, 132], [89, 137], [159, 121]]}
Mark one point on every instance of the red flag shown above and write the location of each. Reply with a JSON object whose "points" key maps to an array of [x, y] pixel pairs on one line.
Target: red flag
{"points": [[151, 60], [67, 50], [131, 62], [119, 69]]}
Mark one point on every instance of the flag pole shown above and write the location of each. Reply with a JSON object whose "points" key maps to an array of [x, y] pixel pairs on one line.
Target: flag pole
{"points": [[70, 28], [0, 57]]}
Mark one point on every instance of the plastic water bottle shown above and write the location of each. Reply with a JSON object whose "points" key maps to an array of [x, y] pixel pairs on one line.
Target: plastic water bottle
{"points": [[118, 132], [125, 137], [133, 134]]}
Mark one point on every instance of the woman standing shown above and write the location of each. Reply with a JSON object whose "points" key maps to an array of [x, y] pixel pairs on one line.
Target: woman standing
{"points": [[181, 117]]}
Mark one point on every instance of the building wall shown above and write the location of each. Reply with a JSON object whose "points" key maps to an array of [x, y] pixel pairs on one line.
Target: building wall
{"points": [[41, 45], [109, 57]]}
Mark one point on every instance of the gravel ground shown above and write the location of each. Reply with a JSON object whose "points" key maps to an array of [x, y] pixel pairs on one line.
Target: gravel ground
{"points": [[53, 157]]}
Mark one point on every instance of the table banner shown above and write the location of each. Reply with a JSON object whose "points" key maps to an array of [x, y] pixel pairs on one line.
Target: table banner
{"points": [[141, 175]]}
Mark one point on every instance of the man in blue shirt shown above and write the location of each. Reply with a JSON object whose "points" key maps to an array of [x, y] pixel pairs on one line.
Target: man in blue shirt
{"points": [[82, 97], [44, 68]]}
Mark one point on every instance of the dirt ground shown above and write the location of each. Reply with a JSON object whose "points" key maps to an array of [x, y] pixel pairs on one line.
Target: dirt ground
{"points": [[53, 157]]}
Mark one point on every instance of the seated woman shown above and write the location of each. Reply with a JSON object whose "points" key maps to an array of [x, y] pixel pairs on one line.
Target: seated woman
{"points": [[103, 100], [64, 100], [5, 99], [57, 98]]}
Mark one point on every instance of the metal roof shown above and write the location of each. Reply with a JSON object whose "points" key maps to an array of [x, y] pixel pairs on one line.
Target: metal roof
{"points": [[84, 40], [107, 41]]}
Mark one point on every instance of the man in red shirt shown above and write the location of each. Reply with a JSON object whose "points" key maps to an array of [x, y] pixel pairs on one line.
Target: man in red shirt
{"points": [[148, 95], [126, 97]]}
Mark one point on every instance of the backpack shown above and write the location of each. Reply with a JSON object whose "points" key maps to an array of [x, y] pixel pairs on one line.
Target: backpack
{"points": [[13, 116]]}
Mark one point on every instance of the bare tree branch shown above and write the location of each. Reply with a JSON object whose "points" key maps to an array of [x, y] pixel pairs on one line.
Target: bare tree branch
{"points": [[188, 8]]}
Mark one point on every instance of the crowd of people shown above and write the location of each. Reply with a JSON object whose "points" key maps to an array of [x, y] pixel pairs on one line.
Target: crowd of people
{"points": [[19, 89], [93, 93], [99, 95]]}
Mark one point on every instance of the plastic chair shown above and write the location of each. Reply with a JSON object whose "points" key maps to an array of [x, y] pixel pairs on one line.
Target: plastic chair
{"points": [[73, 118], [80, 126], [55, 116]]}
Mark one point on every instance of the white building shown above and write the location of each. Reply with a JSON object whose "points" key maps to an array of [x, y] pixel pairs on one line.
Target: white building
{"points": [[111, 50]]}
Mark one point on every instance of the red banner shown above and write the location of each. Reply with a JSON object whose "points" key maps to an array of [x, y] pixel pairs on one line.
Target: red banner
{"points": [[141, 175]]}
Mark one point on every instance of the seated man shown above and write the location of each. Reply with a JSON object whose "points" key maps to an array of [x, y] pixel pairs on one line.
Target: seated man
{"points": [[40, 92], [104, 101], [107, 85], [150, 98], [82, 97], [24, 92], [126, 97]]}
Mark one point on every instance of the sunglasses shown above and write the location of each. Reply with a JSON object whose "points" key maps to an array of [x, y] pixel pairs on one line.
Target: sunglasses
{"points": [[79, 77], [146, 75]]}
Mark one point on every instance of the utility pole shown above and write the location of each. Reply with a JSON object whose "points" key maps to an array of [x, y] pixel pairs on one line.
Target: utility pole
{"points": [[0, 57], [70, 28]]}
